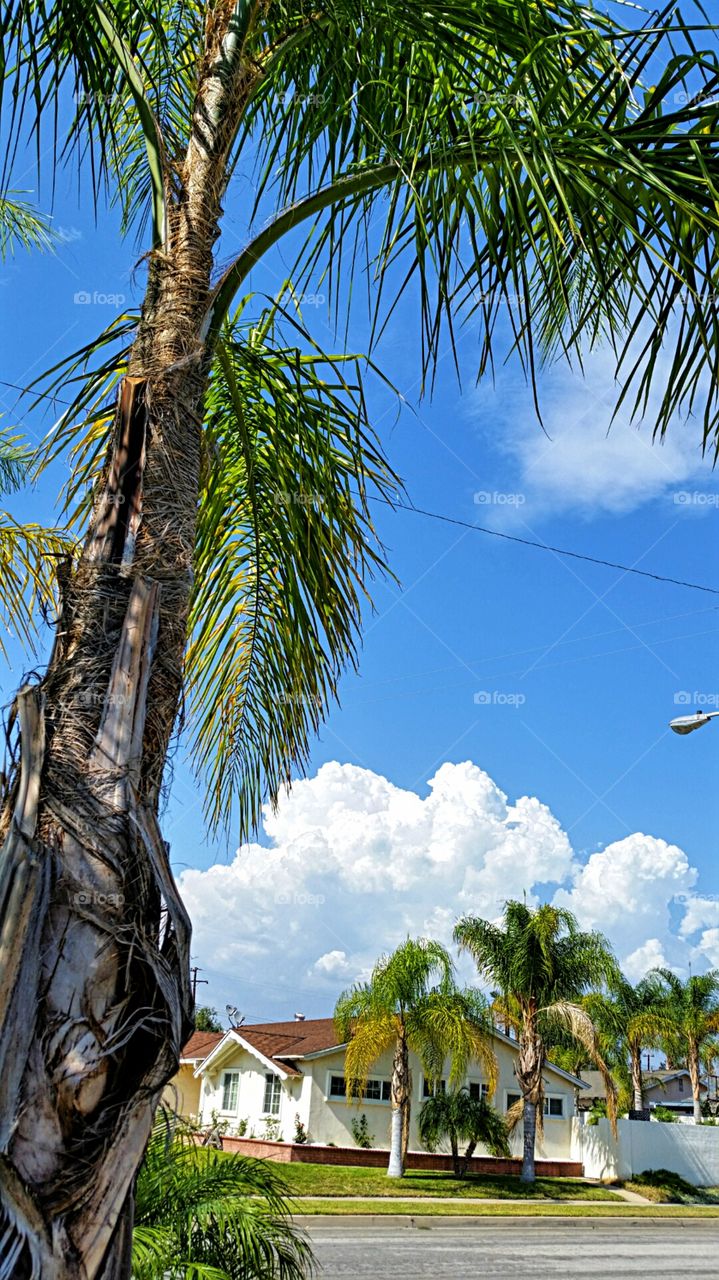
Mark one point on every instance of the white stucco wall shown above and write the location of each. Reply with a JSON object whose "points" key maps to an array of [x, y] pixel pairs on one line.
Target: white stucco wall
{"points": [[329, 1120], [689, 1150]]}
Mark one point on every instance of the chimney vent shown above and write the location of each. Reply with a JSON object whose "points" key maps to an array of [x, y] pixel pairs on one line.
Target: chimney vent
{"points": [[299, 1017]]}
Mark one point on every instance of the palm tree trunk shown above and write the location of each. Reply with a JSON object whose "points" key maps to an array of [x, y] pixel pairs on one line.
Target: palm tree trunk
{"points": [[695, 1077], [95, 999], [528, 1173], [635, 1054], [530, 1064], [400, 1108]]}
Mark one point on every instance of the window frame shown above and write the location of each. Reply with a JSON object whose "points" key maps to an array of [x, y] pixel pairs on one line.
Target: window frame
{"points": [[273, 1082], [235, 1074], [548, 1099], [385, 1088]]}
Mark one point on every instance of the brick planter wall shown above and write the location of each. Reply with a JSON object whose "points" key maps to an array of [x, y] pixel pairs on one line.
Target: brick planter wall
{"points": [[306, 1153]]}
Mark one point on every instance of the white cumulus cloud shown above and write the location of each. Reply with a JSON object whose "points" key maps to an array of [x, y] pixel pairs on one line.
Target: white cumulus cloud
{"points": [[354, 863]]}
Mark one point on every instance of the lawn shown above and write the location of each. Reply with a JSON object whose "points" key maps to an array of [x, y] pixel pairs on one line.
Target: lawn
{"points": [[536, 1209], [664, 1187], [336, 1180]]}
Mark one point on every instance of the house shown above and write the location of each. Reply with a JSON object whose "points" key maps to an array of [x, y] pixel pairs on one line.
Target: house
{"points": [[260, 1079], [671, 1089], [182, 1094], [665, 1088]]}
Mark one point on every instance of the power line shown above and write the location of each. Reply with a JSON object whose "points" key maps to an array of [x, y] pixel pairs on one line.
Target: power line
{"points": [[544, 546], [479, 528]]}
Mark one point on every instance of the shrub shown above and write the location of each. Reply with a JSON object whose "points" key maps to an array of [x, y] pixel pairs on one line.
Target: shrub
{"points": [[272, 1131], [665, 1115], [300, 1131], [360, 1132]]}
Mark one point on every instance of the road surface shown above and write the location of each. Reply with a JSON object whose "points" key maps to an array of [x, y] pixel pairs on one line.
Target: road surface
{"points": [[515, 1248]]}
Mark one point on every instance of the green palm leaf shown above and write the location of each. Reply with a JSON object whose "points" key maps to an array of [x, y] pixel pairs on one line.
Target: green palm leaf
{"points": [[284, 544]]}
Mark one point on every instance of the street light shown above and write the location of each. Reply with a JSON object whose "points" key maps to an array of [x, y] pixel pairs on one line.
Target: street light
{"points": [[687, 724]]}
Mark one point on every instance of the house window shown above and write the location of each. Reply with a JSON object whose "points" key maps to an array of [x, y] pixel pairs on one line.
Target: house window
{"points": [[273, 1090], [680, 1082], [375, 1090], [553, 1107], [432, 1087], [478, 1091], [230, 1087]]}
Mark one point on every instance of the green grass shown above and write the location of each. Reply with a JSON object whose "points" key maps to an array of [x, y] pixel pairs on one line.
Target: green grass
{"points": [[664, 1187], [336, 1180], [538, 1209]]}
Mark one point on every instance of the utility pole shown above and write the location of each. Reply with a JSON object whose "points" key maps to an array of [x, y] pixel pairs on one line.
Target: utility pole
{"points": [[197, 982]]}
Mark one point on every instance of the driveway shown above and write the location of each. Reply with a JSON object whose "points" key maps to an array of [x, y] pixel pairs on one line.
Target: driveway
{"points": [[515, 1248]]}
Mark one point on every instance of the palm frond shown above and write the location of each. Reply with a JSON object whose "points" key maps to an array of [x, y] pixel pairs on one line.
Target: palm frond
{"points": [[29, 558], [212, 1215], [581, 1028], [285, 543], [21, 226]]}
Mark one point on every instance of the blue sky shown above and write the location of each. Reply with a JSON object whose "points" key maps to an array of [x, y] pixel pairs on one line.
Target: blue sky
{"points": [[554, 677]]}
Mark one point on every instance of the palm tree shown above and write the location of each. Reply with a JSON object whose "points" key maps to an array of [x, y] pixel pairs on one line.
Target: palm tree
{"points": [[411, 1002], [228, 538], [204, 1213], [630, 1018], [546, 966], [691, 1008], [455, 1115]]}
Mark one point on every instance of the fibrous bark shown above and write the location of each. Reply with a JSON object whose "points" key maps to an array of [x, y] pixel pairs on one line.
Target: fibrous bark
{"points": [[95, 999]]}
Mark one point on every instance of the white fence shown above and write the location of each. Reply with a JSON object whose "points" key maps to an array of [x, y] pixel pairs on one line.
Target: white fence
{"points": [[689, 1150]]}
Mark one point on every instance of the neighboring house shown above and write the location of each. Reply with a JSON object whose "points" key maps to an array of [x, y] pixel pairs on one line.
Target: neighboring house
{"points": [[183, 1091], [269, 1074], [670, 1089]]}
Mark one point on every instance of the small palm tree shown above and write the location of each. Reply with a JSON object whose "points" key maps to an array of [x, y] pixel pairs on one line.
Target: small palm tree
{"points": [[201, 1213], [630, 1018], [456, 1115], [546, 966], [412, 1002], [691, 1007]]}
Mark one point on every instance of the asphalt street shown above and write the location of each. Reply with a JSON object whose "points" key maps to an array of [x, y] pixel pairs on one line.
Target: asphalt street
{"points": [[530, 1248]]}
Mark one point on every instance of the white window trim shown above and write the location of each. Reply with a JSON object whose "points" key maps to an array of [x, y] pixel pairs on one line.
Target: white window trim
{"points": [[561, 1096], [355, 1102], [231, 1111], [276, 1081]]}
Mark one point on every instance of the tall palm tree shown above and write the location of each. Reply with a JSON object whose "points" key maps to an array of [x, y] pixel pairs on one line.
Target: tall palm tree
{"points": [[411, 1002], [546, 966], [691, 1007], [483, 152], [202, 1213], [455, 1115], [630, 1018]]}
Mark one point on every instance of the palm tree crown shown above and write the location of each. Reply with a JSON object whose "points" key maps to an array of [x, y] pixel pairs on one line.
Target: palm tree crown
{"points": [[543, 965], [691, 1009], [412, 1002]]}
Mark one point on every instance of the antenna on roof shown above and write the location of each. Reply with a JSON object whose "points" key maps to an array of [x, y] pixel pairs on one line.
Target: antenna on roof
{"points": [[236, 1018]]}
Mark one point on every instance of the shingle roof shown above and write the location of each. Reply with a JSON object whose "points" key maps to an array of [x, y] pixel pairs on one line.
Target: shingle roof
{"points": [[200, 1044], [280, 1041]]}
